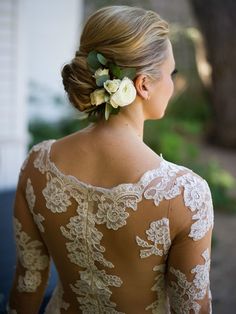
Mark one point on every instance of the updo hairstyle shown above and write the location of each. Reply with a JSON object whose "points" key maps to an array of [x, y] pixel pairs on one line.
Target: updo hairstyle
{"points": [[127, 36]]}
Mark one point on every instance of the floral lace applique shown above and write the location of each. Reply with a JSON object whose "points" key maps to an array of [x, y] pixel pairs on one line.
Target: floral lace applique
{"points": [[84, 249], [94, 293], [114, 216], [112, 206], [77, 247], [30, 258], [56, 302], [59, 189], [197, 197], [56, 195], [161, 304], [35, 148], [40, 161], [112, 203], [184, 294], [30, 197], [29, 282], [129, 196], [159, 234], [161, 190]]}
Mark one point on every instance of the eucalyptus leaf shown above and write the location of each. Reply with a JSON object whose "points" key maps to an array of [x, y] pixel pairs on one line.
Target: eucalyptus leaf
{"points": [[115, 110], [92, 118], [90, 110], [128, 72], [92, 61], [108, 110], [101, 59], [102, 79], [115, 70]]}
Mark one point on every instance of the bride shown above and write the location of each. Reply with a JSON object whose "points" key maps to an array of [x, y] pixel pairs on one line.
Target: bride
{"points": [[128, 231]]}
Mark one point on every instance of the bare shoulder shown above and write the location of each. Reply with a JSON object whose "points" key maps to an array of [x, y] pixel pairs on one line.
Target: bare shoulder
{"points": [[139, 158]]}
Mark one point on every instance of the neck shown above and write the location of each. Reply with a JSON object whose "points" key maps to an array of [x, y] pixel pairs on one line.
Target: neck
{"points": [[129, 121]]}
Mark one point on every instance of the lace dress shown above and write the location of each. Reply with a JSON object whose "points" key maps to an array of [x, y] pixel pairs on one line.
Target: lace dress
{"points": [[135, 248]]}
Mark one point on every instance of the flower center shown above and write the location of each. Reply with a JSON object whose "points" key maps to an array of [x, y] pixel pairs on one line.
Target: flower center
{"points": [[112, 215]]}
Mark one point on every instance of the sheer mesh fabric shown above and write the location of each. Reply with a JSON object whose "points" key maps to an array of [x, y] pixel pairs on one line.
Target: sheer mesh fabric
{"points": [[142, 247]]}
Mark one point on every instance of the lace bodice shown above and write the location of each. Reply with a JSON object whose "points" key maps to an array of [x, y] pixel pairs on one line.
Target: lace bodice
{"points": [[139, 247]]}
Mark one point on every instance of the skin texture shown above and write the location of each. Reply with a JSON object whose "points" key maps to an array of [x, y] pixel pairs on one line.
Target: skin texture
{"points": [[111, 152]]}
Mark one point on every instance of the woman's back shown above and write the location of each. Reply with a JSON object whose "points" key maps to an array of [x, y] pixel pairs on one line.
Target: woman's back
{"points": [[129, 232], [110, 245]]}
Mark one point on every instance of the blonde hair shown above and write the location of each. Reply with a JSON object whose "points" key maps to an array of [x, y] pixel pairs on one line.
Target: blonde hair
{"points": [[127, 36]]}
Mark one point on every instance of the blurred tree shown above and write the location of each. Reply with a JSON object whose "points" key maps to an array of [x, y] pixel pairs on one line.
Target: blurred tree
{"points": [[217, 21]]}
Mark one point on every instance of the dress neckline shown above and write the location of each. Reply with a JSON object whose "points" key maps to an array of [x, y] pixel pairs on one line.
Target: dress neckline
{"points": [[144, 179]]}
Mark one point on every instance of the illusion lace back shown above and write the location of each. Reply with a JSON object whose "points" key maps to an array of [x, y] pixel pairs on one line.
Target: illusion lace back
{"points": [[135, 248]]}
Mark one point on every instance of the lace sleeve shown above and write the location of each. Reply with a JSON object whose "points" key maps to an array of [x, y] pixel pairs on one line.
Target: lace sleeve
{"points": [[33, 261], [188, 265]]}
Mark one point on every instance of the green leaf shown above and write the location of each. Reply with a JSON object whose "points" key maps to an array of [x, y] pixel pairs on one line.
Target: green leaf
{"points": [[92, 118], [102, 79], [128, 72], [115, 70], [93, 108], [108, 110], [92, 61], [115, 110], [101, 59]]}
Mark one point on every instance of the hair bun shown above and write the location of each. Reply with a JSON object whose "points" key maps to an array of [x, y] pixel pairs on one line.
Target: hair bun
{"points": [[78, 82], [128, 36]]}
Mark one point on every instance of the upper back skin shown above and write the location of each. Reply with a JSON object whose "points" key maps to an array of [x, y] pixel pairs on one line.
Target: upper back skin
{"points": [[102, 159]]}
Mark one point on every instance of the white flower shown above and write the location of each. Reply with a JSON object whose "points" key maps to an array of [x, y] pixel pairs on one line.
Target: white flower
{"points": [[98, 97], [101, 72], [125, 94], [112, 85]]}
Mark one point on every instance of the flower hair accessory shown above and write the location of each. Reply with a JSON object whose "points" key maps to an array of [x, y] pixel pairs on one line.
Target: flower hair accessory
{"points": [[115, 85]]}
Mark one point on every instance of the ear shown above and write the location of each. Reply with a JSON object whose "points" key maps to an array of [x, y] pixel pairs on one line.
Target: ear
{"points": [[142, 86]]}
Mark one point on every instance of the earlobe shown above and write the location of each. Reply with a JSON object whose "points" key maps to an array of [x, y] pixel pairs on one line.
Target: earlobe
{"points": [[141, 86]]}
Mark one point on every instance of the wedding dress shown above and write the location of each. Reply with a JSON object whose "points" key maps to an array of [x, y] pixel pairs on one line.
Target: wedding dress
{"points": [[134, 248]]}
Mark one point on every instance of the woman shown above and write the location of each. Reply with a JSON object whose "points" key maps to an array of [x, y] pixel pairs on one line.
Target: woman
{"points": [[128, 231]]}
